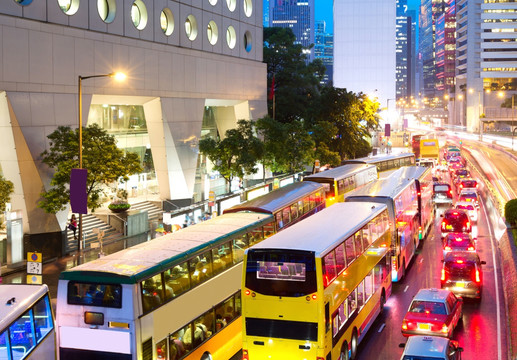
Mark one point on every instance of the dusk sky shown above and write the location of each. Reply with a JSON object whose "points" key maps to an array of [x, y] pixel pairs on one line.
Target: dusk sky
{"points": [[324, 11]]}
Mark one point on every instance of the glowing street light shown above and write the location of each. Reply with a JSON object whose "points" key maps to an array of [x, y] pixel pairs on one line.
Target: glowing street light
{"points": [[117, 76]]}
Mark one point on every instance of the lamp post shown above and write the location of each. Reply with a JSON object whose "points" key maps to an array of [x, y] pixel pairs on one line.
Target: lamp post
{"points": [[119, 77], [512, 120]]}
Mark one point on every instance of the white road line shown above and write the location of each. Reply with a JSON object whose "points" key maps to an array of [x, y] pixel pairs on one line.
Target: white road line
{"points": [[407, 287], [498, 304], [382, 327], [421, 260]]}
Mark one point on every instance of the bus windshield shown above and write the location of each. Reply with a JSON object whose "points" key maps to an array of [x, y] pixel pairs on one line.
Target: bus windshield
{"points": [[281, 273]]}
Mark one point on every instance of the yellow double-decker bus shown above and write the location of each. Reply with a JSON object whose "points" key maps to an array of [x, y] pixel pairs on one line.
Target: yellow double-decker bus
{"points": [[313, 290]]}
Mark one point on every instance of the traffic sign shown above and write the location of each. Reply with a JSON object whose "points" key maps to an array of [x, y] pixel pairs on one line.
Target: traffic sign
{"points": [[34, 268], [34, 256], [34, 279], [211, 198]]}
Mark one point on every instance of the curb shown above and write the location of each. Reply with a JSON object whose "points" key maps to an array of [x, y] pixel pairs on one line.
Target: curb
{"points": [[509, 272]]}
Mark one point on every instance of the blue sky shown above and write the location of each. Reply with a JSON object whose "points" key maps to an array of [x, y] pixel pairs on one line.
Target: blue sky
{"points": [[324, 11]]}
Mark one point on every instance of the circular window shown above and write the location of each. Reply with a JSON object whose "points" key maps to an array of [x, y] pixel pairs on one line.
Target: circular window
{"points": [[139, 14], [107, 9], [23, 2], [231, 37], [167, 21], [212, 32], [248, 7], [69, 7], [232, 4], [247, 41], [191, 27], [212, 2]]}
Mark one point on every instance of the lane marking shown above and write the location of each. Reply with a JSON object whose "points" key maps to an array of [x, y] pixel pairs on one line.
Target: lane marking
{"points": [[407, 287], [382, 327], [421, 260], [499, 345]]}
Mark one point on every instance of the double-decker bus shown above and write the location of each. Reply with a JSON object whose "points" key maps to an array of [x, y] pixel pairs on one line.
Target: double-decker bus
{"points": [[343, 179], [26, 323], [424, 186], [400, 196], [177, 296], [385, 162], [288, 204], [313, 290]]}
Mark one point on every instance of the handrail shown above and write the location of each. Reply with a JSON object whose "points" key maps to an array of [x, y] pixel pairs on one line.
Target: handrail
{"points": [[170, 202], [118, 217]]}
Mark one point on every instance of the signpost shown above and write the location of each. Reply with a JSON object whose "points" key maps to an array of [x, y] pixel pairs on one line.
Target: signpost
{"points": [[34, 268]]}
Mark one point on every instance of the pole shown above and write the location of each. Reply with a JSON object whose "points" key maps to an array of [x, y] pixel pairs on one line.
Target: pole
{"points": [[80, 105], [512, 120]]}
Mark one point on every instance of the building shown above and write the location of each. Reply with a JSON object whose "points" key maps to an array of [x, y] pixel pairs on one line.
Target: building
{"points": [[430, 11], [446, 51], [298, 15], [194, 68], [403, 51], [365, 47], [466, 104], [324, 49]]}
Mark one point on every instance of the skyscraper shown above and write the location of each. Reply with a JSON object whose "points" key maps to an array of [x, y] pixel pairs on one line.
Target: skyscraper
{"points": [[324, 49], [297, 15], [403, 50], [364, 47], [446, 50]]}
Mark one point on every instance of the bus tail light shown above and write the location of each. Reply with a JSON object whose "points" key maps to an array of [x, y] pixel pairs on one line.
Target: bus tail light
{"points": [[247, 292], [320, 358], [442, 278], [443, 225], [245, 354], [448, 248]]}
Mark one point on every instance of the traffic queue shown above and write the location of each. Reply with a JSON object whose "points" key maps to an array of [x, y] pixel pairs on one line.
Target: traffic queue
{"points": [[434, 314]]}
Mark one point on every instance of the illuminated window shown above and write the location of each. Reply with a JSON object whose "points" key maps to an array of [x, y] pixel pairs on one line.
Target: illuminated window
{"points": [[231, 37], [139, 14], [212, 32], [191, 27], [232, 4], [167, 21], [69, 7], [248, 8], [106, 10]]}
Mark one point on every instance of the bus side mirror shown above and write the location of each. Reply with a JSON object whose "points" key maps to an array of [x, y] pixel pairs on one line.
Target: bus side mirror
{"points": [[483, 262], [402, 345]]}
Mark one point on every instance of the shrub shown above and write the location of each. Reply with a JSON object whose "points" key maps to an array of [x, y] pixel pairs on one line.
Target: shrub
{"points": [[119, 205], [510, 212]]}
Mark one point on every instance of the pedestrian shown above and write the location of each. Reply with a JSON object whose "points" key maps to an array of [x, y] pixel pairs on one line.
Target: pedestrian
{"points": [[73, 225]]}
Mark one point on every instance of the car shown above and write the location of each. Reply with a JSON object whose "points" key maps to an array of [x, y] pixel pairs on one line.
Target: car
{"points": [[442, 193], [459, 174], [455, 220], [455, 241], [455, 166], [433, 312], [464, 184], [431, 347], [462, 274], [470, 208], [469, 195]]}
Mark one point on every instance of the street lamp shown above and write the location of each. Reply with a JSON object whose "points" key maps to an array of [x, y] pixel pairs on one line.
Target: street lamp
{"points": [[117, 76]]}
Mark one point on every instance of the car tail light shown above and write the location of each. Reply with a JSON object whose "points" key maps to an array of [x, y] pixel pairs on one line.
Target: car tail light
{"points": [[459, 261], [443, 225], [245, 354], [470, 248], [404, 325], [461, 186], [468, 225], [450, 193], [478, 277], [443, 275], [448, 248], [445, 329]]}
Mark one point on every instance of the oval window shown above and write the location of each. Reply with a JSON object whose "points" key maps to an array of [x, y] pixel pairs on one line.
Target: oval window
{"points": [[231, 37], [69, 7], [139, 14], [106, 10], [247, 41], [232, 4], [248, 8], [23, 2], [167, 21], [212, 32], [191, 27]]}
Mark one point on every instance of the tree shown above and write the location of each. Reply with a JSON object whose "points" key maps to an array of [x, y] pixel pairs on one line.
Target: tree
{"points": [[6, 189], [237, 154], [296, 81], [105, 162], [343, 121], [288, 146]]}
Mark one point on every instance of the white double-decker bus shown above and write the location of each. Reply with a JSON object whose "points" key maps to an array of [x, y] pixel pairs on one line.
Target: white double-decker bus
{"points": [[400, 195], [26, 323]]}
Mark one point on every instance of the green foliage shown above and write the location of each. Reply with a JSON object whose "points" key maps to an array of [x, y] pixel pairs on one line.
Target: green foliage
{"points": [[507, 103], [288, 146], [105, 162], [510, 212], [297, 83], [6, 189], [342, 121], [119, 205], [235, 155]]}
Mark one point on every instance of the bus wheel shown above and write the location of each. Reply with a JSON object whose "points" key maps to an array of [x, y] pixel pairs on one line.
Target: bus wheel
{"points": [[403, 274], [383, 301], [344, 352], [206, 356], [353, 345]]}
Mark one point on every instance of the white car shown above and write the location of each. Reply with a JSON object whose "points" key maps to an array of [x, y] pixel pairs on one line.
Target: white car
{"points": [[470, 208], [431, 347]]}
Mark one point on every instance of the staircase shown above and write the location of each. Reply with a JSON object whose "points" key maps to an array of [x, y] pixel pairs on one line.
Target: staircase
{"points": [[89, 223], [153, 211]]}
